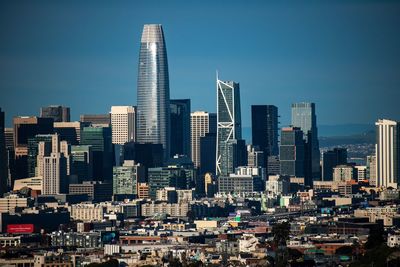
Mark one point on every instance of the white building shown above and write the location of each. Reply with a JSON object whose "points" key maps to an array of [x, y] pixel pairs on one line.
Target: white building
{"points": [[248, 243], [201, 122], [88, 212], [123, 124], [393, 240], [277, 185], [343, 173], [361, 173], [387, 153], [54, 166]]}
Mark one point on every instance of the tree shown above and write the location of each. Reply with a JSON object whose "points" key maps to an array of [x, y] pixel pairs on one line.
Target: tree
{"points": [[281, 233], [345, 250]]}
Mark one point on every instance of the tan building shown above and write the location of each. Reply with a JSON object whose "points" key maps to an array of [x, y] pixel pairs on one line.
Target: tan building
{"points": [[69, 130], [343, 173], [385, 213], [123, 124], [143, 190], [87, 212], [33, 183], [171, 209], [210, 225], [10, 202], [201, 122]]}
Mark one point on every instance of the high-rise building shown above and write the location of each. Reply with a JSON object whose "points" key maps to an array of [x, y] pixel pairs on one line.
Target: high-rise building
{"points": [[126, 178], [330, 159], [274, 165], [3, 156], [229, 127], [361, 173], [292, 153], [33, 150], [343, 173], [123, 124], [82, 162], [57, 113], [153, 125], [180, 127], [208, 145], [100, 140], [304, 117], [264, 128], [25, 128], [166, 177], [9, 137], [371, 170], [54, 166], [70, 131], [387, 153], [201, 123], [255, 156], [149, 155], [96, 119]]}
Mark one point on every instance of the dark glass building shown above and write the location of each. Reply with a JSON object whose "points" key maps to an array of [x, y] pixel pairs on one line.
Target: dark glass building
{"points": [[304, 117], [208, 145], [33, 151], [264, 126], [330, 159], [229, 128], [166, 177], [103, 156], [180, 127], [292, 153], [153, 120], [57, 113]]}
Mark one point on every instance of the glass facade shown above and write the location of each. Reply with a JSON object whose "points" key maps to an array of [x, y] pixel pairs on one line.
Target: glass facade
{"points": [[303, 116], [153, 89], [229, 126], [180, 127], [292, 152]]}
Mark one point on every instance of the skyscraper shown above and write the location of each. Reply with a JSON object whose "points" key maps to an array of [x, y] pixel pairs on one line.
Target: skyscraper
{"points": [[229, 127], [304, 117], [264, 128], [57, 113], [208, 144], [70, 131], [126, 177], [330, 159], [54, 166], [82, 162], [180, 127], [100, 140], [201, 123], [387, 153], [123, 124], [153, 121], [292, 154], [96, 119]]}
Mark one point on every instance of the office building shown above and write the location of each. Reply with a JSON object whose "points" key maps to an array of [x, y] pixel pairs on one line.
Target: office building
{"points": [[25, 128], [126, 178], [264, 125], [166, 177], [82, 162], [304, 117], [244, 180], [371, 170], [143, 190], [277, 185], [96, 119], [3, 156], [9, 138], [123, 124], [70, 131], [343, 173], [54, 166], [102, 149], [387, 153], [255, 156], [229, 127], [149, 155], [96, 191], [361, 173], [330, 159], [153, 120], [57, 113], [180, 127], [201, 123], [33, 149], [208, 145], [292, 152], [273, 165]]}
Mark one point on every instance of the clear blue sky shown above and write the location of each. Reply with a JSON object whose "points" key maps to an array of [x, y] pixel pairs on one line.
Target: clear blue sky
{"points": [[342, 55]]}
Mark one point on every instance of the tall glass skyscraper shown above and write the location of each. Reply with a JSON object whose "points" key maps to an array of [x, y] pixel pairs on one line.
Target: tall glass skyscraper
{"points": [[153, 121], [229, 127], [303, 116]]}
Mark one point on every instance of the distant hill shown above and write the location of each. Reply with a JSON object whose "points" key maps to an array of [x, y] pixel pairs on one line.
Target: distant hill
{"points": [[363, 138]]}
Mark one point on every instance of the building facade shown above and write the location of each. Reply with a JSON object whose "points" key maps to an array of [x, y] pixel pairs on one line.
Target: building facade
{"points": [[57, 113], [153, 121], [180, 127], [123, 124]]}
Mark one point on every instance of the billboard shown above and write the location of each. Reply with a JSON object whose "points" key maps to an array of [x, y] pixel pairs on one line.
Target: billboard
{"points": [[20, 228]]}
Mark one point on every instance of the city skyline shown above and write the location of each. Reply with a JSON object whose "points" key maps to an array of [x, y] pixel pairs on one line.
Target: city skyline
{"points": [[353, 78]]}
